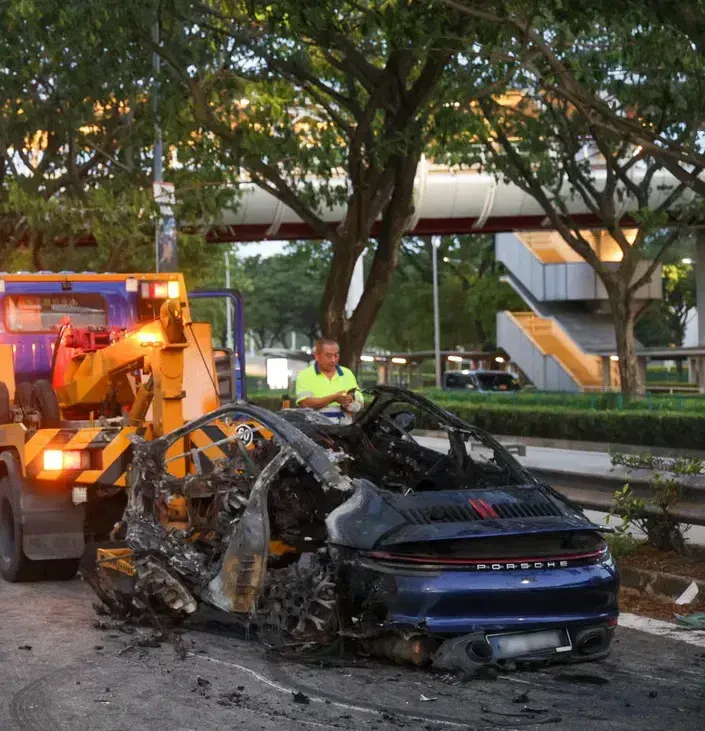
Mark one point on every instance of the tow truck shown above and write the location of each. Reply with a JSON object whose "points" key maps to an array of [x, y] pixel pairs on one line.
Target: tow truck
{"points": [[87, 362]]}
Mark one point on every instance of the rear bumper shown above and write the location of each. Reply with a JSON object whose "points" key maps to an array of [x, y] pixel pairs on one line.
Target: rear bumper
{"points": [[452, 602]]}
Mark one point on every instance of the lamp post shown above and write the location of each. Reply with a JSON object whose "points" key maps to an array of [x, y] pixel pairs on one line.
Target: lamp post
{"points": [[435, 243], [158, 170], [228, 307]]}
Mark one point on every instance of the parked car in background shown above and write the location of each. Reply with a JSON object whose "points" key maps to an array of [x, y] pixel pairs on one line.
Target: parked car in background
{"points": [[480, 380]]}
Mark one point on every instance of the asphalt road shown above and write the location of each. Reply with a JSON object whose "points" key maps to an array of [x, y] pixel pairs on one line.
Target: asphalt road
{"points": [[58, 671]]}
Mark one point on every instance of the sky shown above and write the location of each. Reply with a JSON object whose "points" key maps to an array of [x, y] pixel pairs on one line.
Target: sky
{"points": [[263, 248]]}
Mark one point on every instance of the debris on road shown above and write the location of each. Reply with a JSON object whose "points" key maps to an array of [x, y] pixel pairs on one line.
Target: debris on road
{"points": [[689, 594], [691, 621]]}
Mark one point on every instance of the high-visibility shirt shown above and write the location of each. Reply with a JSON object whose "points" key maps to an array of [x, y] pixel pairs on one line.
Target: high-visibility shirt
{"points": [[312, 383]]}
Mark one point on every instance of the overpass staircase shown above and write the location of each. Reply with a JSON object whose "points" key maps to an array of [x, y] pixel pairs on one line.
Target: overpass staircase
{"points": [[566, 341]]}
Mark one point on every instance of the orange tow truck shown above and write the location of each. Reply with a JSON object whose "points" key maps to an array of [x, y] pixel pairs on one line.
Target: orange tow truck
{"points": [[87, 362]]}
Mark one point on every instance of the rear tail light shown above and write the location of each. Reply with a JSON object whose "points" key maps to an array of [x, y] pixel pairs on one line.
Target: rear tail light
{"points": [[55, 460]]}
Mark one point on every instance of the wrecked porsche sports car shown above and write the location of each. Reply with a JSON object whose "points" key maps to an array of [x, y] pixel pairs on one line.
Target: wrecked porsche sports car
{"points": [[315, 534]]}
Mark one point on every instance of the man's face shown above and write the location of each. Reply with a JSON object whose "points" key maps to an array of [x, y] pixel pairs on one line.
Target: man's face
{"points": [[327, 358]]}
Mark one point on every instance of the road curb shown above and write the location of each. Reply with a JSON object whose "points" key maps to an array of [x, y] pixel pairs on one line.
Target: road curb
{"points": [[657, 583], [574, 444]]}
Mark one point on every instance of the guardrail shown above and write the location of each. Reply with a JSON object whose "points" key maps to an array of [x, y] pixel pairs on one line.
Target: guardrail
{"points": [[594, 492]]}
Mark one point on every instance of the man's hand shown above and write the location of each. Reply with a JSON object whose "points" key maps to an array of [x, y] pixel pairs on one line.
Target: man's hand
{"points": [[343, 398]]}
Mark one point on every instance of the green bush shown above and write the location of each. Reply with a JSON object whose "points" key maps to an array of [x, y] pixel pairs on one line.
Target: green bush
{"points": [[599, 401], [651, 428], [648, 428]]}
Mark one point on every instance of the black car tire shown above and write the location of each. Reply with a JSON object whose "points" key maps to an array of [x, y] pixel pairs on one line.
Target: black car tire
{"points": [[44, 399], [14, 565], [23, 395]]}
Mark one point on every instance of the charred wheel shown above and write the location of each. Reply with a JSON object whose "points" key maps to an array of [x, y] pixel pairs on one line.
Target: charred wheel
{"points": [[298, 608]]}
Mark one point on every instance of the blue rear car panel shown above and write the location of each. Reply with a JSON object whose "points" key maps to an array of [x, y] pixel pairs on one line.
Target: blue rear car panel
{"points": [[459, 602]]}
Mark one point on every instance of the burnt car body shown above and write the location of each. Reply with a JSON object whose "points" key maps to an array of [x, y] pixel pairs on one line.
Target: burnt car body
{"points": [[312, 533]]}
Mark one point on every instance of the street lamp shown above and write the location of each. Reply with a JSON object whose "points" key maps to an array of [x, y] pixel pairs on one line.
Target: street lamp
{"points": [[435, 243], [228, 307], [158, 171]]}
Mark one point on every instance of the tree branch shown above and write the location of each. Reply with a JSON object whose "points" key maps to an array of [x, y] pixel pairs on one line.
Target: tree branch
{"points": [[646, 277]]}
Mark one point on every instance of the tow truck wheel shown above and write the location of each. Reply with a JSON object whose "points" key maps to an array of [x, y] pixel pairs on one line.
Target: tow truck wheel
{"points": [[14, 565], [45, 401], [23, 395], [5, 413]]}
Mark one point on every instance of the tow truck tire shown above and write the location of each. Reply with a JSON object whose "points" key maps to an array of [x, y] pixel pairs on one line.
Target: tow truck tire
{"points": [[23, 395], [14, 565], [45, 401], [5, 412]]}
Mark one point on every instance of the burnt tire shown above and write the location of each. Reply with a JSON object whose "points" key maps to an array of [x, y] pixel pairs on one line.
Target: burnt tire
{"points": [[23, 395], [63, 569], [5, 410], [44, 399], [14, 565]]}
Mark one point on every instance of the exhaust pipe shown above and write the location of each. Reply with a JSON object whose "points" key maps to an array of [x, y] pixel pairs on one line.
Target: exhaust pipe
{"points": [[468, 653], [417, 650], [591, 641]]}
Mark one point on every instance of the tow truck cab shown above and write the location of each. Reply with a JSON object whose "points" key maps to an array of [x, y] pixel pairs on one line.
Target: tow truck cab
{"points": [[33, 307]]}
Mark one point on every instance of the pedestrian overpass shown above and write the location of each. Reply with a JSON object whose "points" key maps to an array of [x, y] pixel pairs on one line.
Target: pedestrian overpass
{"points": [[565, 339]]}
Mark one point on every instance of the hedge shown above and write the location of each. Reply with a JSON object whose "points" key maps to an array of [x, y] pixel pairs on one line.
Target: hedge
{"points": [[647, 428]]}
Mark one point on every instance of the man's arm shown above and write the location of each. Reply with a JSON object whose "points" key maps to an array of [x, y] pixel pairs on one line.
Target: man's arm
{"points": [[311, 402]]}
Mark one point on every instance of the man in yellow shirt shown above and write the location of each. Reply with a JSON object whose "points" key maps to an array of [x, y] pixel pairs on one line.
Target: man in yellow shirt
{"points": [[328, 387]]}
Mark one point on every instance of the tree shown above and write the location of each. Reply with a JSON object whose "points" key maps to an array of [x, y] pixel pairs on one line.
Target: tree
{"points": [[121, 227], [284, 293], [654, 44], [470, 293], [545, 145], [346, 92], [63, 127], [664, 321]]}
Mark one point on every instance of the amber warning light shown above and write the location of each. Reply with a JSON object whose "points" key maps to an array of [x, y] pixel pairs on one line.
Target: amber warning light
{"points": [[159, 290]]}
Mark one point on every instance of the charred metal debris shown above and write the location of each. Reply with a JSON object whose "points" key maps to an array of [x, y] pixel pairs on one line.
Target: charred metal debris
{"points": [[282, 531]]}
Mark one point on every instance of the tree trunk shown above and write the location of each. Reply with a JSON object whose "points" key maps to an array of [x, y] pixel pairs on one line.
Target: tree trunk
{"points": [[334, 321], [351, 333], [624, 316]]}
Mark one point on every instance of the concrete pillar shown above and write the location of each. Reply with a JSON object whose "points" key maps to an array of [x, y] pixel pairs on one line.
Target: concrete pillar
{"points": [[606, 373], [701, 373], [692, 371], [700, 284]]}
